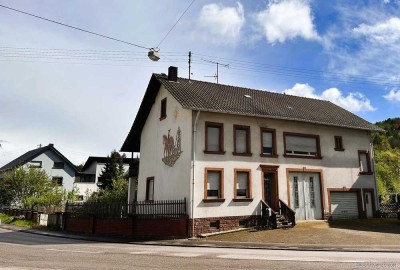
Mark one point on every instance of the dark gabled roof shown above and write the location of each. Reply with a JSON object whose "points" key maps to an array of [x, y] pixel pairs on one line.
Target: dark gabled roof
{"points": [[28, 156], [90, 160], [211, 97]]}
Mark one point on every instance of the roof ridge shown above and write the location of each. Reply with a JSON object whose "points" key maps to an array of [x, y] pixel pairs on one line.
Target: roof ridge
{"points": [[164, 76]]}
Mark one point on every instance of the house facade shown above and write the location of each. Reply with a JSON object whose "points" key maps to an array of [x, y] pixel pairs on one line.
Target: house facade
{"points": [[230, 149], [49, 159], [87, 179]]}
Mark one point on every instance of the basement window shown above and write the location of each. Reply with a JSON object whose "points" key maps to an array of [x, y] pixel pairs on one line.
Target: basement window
{"points": [[214, 224]]}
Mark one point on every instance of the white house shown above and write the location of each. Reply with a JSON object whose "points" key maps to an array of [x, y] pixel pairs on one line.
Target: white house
{"points": [[229, 150], [87, 179], [49, 159]]}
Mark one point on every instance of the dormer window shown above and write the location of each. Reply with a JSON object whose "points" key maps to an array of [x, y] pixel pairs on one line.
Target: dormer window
{"points": [[163, 111]]}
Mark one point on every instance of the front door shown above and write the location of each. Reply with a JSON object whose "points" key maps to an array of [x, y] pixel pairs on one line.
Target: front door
{"points": [[368, 204], [271, 190], [305, 195]]}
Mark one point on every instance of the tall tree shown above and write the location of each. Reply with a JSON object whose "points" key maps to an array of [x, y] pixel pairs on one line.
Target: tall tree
{"points": [[113, 169]]}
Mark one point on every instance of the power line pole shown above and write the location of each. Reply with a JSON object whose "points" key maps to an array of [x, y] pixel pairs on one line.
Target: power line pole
{"points": [[218, 64]]}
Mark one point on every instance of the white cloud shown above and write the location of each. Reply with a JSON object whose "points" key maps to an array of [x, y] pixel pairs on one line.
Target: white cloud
{"points": [[287, 19], [354, 102], [386, 32], [368, 51], [223, 23], [393, 95]]}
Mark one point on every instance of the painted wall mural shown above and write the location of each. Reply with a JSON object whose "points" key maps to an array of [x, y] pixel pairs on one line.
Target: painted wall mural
{"points": [[172, 149]]}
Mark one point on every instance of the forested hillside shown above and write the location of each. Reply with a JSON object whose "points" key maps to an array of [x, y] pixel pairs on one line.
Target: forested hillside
{"points": [[387, 156]]}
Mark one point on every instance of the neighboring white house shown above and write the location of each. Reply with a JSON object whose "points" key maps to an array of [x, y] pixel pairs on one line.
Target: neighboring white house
{"points": [[226, 149], [49, 159], [86, 180]]}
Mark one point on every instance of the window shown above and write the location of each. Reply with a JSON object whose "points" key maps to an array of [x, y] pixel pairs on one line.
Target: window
{"points": [[312, 193], [364, 162], [150, 189], [88, 178], [339, 143], [35, 164], [242, 184], [58, 180], [214, 224], [268, 142], [296, 192], [58, 165], [301, 145], [214, 138], [241, 140], [213, 184], [163, 111]]}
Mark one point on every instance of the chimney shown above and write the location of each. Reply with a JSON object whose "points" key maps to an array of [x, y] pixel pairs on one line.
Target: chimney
{"points": [[51, 144], [173, 74]]}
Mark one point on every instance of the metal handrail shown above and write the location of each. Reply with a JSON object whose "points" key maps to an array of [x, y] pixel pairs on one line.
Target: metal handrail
{"points": [[286, 211], [268, 215]]}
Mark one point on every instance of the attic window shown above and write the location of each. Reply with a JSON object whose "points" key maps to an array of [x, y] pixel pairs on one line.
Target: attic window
{"points": [[58, 165], [163, 111]]}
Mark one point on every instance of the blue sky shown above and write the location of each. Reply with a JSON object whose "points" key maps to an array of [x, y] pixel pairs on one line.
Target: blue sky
{"points": [[82, 92]]}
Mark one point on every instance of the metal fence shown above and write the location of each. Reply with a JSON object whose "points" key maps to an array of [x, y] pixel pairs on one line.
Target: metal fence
{"points": [[144, 209], [389, 208]]}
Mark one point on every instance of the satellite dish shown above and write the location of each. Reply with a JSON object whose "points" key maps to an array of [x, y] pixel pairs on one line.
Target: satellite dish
{"points": [[153, 55]]}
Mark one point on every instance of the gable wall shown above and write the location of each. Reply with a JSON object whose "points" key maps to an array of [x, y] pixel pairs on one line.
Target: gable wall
{"points": [[68, 174], [170, 183], [340, 169]]}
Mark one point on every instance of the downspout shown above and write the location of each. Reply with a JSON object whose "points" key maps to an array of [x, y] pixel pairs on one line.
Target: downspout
{"points": [[194, 130]]}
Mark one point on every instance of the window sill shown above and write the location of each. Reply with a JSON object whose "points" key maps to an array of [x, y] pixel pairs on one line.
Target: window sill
{"points": [[243, 200], [162, 118], [306, 157], [213, 200], [242, 154], [214, 152], [366, 173], [339, 149], [268, 156]]}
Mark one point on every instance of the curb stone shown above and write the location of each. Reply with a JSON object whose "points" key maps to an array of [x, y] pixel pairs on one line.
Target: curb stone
{"points": [[205, 244]]}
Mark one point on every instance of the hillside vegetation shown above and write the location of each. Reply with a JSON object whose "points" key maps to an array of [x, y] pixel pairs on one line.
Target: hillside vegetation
{"points": [[387, 156]]}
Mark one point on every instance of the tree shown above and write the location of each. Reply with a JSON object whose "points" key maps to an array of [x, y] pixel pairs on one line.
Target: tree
{"points": [[119, 193], [30, 188], [113, 169]]}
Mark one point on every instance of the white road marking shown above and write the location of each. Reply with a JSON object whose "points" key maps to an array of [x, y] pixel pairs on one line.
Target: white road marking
{"points": [[186, 255], [75, 251], [275, 258], [142, 252]]}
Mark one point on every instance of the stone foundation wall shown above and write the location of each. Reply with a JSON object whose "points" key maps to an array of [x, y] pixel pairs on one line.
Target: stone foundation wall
{"points": [[219, 224]]}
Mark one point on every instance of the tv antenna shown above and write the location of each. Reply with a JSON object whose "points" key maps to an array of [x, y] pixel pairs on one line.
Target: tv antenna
{"points": [[218, 64]]}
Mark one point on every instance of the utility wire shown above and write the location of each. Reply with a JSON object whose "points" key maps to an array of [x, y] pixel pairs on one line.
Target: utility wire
{"points": [[76, 28], [175, 23]]}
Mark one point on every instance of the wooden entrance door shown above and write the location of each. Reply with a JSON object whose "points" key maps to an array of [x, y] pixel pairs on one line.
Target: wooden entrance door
{"points": [[270, 186]]}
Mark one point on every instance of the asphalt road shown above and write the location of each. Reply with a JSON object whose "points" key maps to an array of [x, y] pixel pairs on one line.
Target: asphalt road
{"points": [[20, 250]]}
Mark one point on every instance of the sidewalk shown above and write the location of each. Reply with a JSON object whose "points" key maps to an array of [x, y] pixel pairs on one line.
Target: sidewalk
{"points": [[209, 243]]}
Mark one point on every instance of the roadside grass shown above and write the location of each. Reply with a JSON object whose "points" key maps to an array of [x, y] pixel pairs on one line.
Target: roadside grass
{"points": [[335, 233], [17, 222]]}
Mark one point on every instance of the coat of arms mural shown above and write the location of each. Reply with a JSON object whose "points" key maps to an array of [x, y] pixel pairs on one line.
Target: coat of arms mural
{"points": [[172, 149]]}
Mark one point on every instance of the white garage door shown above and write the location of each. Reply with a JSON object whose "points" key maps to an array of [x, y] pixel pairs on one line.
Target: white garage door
{"points": [[344, 205]]}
